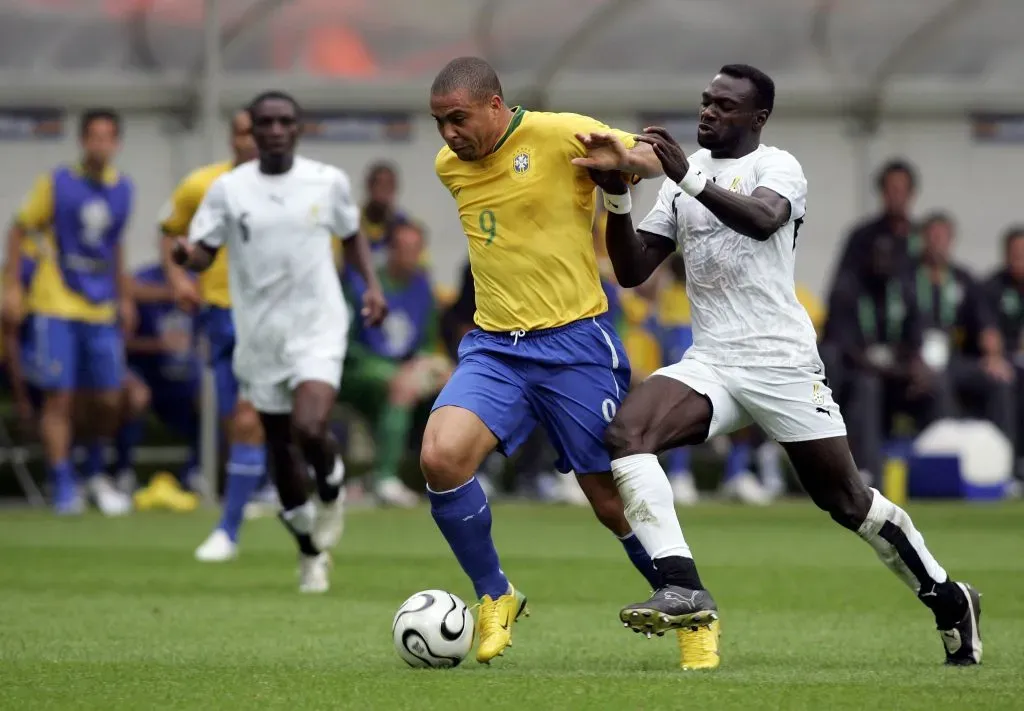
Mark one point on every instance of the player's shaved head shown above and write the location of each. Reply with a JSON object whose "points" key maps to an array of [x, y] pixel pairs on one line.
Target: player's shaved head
{"points": [[471, 73], [276, 126], [272, 95], [467, 102]]}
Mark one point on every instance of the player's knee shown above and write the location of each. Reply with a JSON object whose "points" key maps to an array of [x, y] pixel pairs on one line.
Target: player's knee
{"points": [[137, 398], [308, 429], [848, 506], [444, 463], [57, 405], [245, 425], [625, 436]]}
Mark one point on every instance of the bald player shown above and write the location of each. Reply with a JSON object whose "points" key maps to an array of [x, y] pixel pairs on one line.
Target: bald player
{"points": [[247, 457], [543, 351]]}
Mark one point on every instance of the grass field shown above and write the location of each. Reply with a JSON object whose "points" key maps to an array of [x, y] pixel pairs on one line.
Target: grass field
{"points": [[114, 614]]}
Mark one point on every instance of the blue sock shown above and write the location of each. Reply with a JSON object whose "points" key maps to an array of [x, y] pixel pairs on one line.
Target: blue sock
{"points": [[95, 460], [128, 438], [738, 460], [246, 464], [464, 517], [678, 461], [62, 477], [640, 560]]}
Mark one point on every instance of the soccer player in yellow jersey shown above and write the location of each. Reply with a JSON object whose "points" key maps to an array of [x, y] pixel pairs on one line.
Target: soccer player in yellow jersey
{"points": [[247, 454], [79, 300], [543, 351]]}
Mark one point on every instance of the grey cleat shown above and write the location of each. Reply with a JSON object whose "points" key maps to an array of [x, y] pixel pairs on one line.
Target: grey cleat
{"points": [[670, 608]]}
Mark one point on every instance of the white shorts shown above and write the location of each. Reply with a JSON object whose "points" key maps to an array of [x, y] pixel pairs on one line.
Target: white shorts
{"points": [[275, 398], [791, 404]]}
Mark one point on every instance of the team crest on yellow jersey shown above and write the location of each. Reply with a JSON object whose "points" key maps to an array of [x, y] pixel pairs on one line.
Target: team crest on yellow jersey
{"points": [[522, 162]]}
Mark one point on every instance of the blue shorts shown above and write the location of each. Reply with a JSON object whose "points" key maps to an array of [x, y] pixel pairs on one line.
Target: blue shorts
{"points": [[74, 355], [569, 379], [216, 324]]}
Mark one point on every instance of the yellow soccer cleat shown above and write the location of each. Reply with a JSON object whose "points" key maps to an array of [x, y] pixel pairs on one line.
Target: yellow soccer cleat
{"points": [[494, 621], [698, 647], [146, 499]]}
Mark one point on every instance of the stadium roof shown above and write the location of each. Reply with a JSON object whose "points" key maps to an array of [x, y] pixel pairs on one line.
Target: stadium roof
{"points": [[935, 52]]}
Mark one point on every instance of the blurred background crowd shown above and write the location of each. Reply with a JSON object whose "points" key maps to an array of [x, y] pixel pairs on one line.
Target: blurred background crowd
{"points": [[911, 265]]}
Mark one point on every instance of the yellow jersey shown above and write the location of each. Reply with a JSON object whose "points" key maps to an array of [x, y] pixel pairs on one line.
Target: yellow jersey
{"points": [[48, 293], [527, 212], [177, 215]]}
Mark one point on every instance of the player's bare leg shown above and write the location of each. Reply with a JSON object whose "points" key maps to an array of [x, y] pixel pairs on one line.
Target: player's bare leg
{"points": [[827, 472], [455, 443], [246, 467], [298, 513], [55, 433], [605, 499], [97, 421], [313, 401], [659, 414]]}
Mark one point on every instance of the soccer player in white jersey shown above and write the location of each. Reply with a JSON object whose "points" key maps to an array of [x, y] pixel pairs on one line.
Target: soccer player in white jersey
{"points": [[735, 208], [277, 217]]}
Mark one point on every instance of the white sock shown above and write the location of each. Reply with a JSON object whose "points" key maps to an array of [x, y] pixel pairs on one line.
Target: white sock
{"points": [[650, 509], [889, 530], [301, 518]]}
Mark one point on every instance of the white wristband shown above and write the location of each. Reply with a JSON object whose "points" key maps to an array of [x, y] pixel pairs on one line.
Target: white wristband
{"points": [[693, 182], [618, 204]]}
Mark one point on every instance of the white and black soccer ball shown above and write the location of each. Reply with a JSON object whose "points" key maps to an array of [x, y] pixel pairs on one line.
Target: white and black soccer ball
{"points": [[434, 629]]}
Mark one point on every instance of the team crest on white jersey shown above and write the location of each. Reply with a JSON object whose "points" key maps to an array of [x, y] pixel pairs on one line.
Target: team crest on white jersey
{"points": [[735, 186], [522, 161]]}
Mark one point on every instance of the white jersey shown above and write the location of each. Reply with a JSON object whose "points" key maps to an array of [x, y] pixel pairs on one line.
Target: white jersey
{"points": [[286, 297], [742, 294]]}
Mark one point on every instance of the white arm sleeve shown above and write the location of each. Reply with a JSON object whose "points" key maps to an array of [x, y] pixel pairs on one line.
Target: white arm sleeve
{"points": [[661, 220], [209, 225], [780, 172], [344, 213]]}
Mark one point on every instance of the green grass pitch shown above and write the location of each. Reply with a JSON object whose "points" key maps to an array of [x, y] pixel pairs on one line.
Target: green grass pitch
{"points": [[114, 614]]}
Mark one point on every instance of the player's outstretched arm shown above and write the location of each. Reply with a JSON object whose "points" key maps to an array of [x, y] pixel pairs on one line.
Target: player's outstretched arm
{"points": [[635, 255], [758, 215], [605, 151]]}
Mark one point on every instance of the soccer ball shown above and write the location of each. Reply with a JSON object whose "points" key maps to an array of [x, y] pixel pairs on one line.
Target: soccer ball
{"points": [[433, 628]]}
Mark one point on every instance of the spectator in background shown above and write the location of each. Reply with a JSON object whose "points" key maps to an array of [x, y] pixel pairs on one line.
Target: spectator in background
{"points": [[875, 327], [162, 360], [80, 302], [380, 214], [1006, 299], [897, 187], [961, 340], [16, 341], [391, 368]]}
